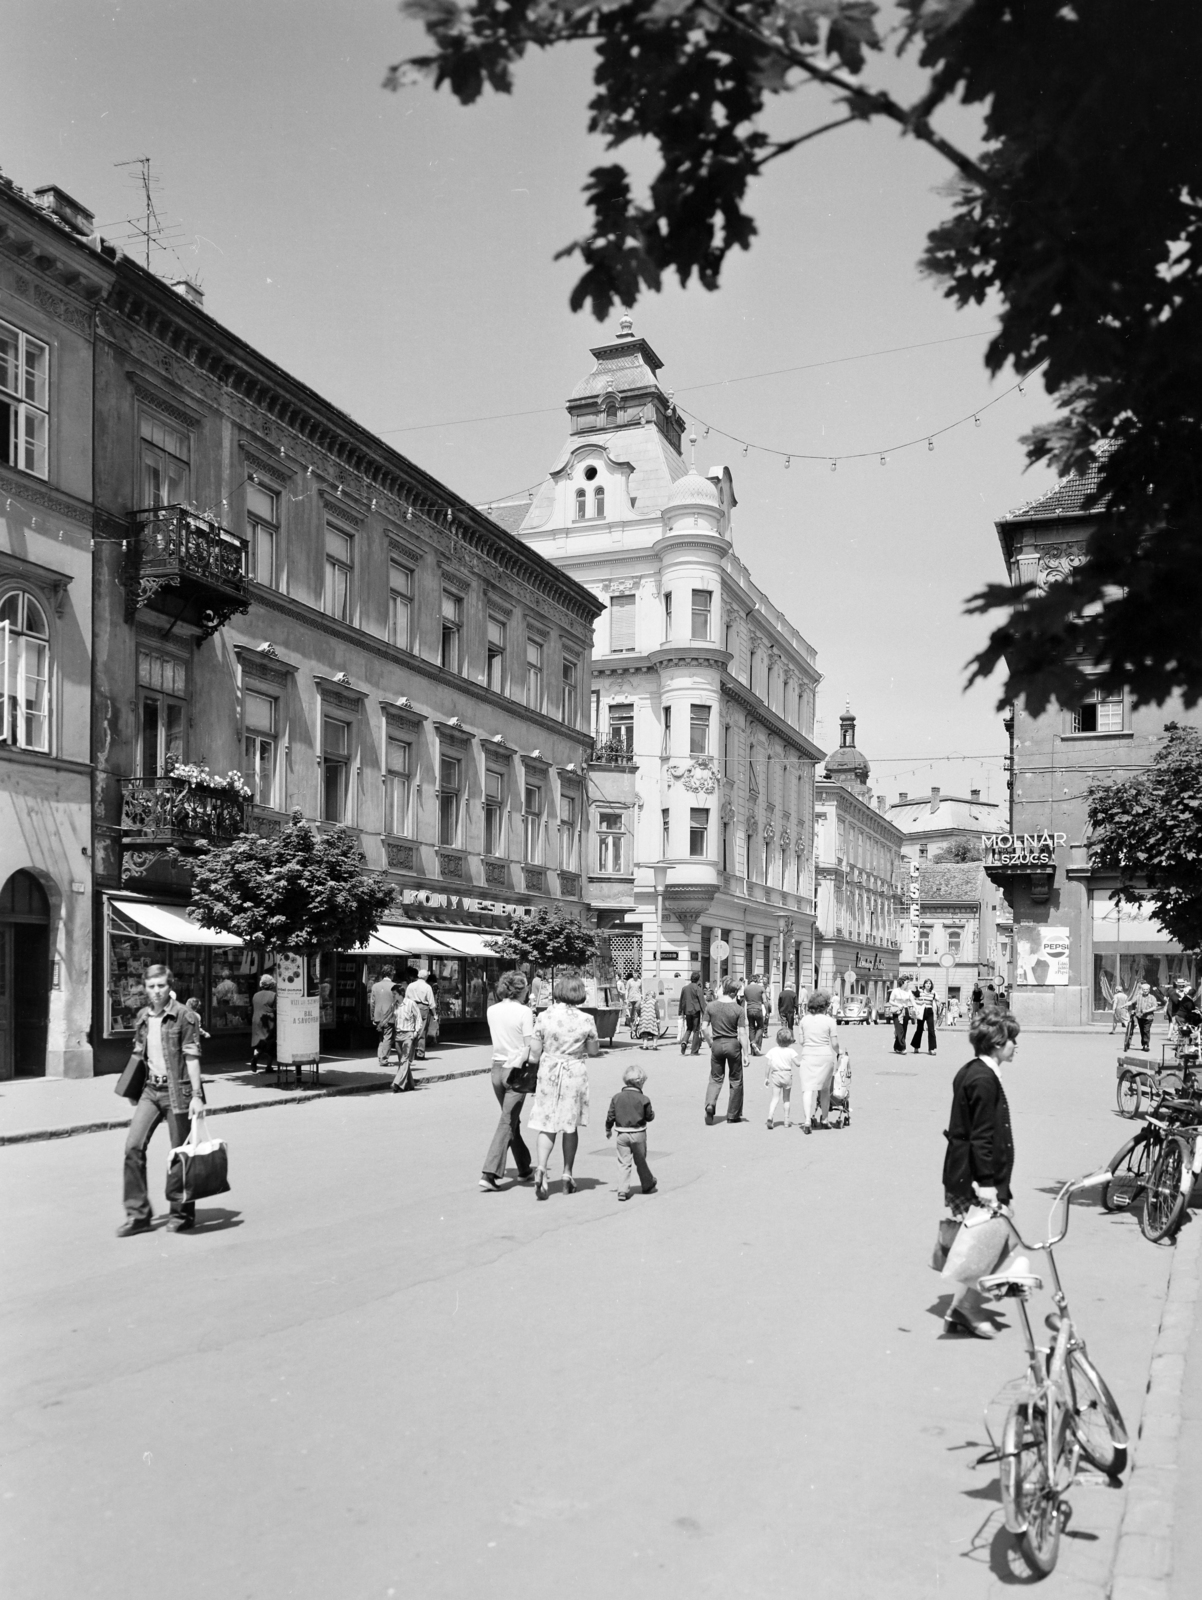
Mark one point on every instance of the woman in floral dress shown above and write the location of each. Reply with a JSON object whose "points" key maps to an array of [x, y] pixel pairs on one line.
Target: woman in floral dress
{"points": [[564, 1037]]}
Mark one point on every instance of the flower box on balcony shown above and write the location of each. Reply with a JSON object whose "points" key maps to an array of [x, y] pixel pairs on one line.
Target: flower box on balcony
{"points": [[177, 808]]}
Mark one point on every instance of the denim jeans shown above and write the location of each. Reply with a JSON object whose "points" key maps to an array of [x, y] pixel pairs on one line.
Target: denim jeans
{"points": [[632, 1146], [150, 1110], [755, 1027], [726, 1054], [509, 1133], [900, 1022]]}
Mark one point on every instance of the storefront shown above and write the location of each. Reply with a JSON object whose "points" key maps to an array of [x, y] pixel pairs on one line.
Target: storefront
{"points": [[846, 969], [1129, 948]]}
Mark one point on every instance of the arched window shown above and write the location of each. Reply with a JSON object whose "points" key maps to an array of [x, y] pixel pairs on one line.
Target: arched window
{"points": [[598, 502], [581, 510], [26, 651]]}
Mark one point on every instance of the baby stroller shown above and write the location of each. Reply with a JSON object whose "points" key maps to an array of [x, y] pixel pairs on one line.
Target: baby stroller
{"points": [[839, 1115]]}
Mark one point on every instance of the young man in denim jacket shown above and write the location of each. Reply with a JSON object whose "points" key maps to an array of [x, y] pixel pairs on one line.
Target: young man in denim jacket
{"points": [[167, 1037]]}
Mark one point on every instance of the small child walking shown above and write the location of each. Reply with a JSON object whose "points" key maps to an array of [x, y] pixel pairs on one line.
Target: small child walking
{"points": [[630, 1112], [781, 1060], [648, 1023]]}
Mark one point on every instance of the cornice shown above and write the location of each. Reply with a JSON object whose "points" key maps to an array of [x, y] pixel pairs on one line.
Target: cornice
{"points": [[769, 719], [256, 659], [33, 238], [686, 654], [63, 505], [167, 404]]}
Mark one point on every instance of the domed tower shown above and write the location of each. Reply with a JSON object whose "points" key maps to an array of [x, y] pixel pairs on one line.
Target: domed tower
{"points": [[846, 764]]}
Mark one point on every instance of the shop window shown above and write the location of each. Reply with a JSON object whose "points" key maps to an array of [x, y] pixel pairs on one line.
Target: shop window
{"points": [[1099, 714], [397, 758], [335, 767], [571, 693], [496, 655], [339, 570], [450, 785], [166, 464], [702, 601], [496, 842], [450, 653], [699, 730], [400, 606], [621, 727], [259, 745], [25, 642], [534, 675], [233, 980], [162, 712], [24, 401], [263, 531], [569, 832], [611, 842], [532, 825], [621, 624]]}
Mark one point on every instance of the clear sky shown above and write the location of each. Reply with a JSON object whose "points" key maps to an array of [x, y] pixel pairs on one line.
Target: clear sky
{"points": [[395, 252]]}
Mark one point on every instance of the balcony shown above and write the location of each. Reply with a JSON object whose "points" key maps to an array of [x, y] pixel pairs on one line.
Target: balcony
{"points": [[173, 548], [612, 752], [171, 811]]}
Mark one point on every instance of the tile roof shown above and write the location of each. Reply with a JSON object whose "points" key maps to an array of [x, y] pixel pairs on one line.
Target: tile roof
{"points": [[955, 881], [1067, 499], [509, 516]]}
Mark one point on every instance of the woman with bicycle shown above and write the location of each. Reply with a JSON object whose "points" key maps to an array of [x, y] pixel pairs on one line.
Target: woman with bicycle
{"points": [[978, 1163]]}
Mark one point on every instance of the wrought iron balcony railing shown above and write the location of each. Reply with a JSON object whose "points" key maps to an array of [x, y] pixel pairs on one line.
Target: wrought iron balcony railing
{"points": [[172, 811], [174, 547], [613, 752]]}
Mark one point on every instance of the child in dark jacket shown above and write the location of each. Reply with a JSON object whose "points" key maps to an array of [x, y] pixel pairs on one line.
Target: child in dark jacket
{"points": [[630, 1112]]}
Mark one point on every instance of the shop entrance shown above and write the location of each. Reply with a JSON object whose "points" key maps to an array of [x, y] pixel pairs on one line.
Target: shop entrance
{"points": [[24, 977]]}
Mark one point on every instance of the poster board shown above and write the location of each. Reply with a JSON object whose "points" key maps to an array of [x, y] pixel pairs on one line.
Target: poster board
{"points": [[298, 1029], [1041, 955]]}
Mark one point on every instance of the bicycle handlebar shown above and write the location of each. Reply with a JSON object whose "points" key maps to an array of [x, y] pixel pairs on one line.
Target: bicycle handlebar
{"points": [[1068, 1189]]}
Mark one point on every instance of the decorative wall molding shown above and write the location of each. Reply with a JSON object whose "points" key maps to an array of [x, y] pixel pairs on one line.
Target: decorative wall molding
{"points": [[31, 489], [162, 403], [280, 473]]}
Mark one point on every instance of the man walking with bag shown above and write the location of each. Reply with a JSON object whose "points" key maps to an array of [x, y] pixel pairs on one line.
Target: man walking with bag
{"points": [[166, 1056]]}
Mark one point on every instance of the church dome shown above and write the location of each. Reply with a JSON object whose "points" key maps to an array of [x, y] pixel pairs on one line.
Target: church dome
{"points": [[847, 762], [693, 490]]}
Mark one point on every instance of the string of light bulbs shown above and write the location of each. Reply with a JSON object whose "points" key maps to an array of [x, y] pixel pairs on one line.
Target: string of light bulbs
{"points": [[928, 438]]}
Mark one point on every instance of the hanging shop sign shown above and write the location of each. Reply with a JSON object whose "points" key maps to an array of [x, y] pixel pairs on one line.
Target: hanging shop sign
{"points": [[1023, 849]]}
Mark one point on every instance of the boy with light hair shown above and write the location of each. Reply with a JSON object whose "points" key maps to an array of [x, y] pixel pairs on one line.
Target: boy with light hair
{"points": [[630, 1112]]}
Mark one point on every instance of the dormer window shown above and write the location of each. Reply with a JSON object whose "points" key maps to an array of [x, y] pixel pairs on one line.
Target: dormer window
{"points": [[581, 505]]}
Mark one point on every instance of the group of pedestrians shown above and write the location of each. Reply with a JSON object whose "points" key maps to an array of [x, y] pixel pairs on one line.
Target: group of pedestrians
{"points": [[918, 1006], [403, 1014], [1181, 1005]]}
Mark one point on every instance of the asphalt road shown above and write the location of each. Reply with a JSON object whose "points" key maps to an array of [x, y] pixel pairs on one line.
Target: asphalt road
{"points": [[364, 1378]]}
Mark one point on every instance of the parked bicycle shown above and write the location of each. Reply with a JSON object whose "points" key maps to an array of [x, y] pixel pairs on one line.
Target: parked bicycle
{"points": [[1063, 1410], [1159, 1165]]}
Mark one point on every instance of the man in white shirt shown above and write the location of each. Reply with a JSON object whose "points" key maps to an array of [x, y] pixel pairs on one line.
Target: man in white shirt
{"points": [[420, 992], [408, 1023], [634, 1000]]}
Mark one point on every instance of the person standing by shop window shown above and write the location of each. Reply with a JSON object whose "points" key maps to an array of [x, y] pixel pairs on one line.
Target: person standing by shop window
{"points": [[383, 1015], [167, 1040], [420, 992]]}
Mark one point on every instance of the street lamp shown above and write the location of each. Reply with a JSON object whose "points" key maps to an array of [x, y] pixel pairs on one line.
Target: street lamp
{"points": [[660, 873]]}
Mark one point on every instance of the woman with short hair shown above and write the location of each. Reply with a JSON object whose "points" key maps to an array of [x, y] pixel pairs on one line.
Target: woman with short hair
{"points": [[510, 1024], [927, 1007], [564, 1037], [816, 1042]]}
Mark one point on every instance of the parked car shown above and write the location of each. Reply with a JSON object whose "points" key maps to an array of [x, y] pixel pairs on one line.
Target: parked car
{"points": [[855, 1009]]}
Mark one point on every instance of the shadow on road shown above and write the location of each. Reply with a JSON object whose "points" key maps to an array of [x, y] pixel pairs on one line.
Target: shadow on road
{"points": [[217, 1219]]}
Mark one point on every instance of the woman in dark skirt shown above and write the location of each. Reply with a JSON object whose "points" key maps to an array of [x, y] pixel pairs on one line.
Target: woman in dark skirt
{"points": [[980, 1147]]}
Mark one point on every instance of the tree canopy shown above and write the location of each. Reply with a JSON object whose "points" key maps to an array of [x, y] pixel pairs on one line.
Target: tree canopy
{"points": [[959, 850], [1080, 215], [1148, 829], [549, 938], [299, 890]]}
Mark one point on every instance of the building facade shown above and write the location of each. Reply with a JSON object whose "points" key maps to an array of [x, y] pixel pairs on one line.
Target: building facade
{"points": [[1072, 945], [290, 617], [51, 278], [962, 933], [932, 825], [858, 864], [703, 693]]}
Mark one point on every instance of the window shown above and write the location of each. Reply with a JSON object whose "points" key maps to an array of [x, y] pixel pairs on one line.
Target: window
{"points": [[753, 780], [496, 655], [162, 712], [532, 825], [450, 780], [752, 665], [924, 940], [668, 614], [699, 832], [24, 401], [699, 730], [702, 600], [571, 693], [621, 623], [450, 653], [398, 756], [726, 847], [598, 502], [666, 746], [258, 745], [728, 741], [340, 561], [953, 941], [26, 644], [400, 606], [262, 528], [335, 764], [495, 842], [1099, 714], [581, 505], [730, 639], [665, 832], [569, 832], [611, 853], [621, 726], [534, 675], [166, 454]]}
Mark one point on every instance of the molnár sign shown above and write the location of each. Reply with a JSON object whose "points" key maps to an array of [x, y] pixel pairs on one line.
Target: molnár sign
{"points": [[1023, 849]]}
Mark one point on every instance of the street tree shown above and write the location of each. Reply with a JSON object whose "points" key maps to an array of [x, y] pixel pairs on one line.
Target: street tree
{"points": [[1080, 217], [550, 938], [959, 850], [302, 889], [1148, 829]]}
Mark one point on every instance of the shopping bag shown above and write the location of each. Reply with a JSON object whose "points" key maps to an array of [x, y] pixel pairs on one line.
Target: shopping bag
{"points": [[521, 1075], [682, 1030], [199, 1167], [945, 1237], [978, 1247], [133, 1080]]}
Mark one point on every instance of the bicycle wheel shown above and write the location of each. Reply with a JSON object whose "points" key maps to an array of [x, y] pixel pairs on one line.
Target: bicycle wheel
{"points": [[1129, 1174], [1030, 1502], [1165, 1200], [1129, 1094], [1096, 1419]]}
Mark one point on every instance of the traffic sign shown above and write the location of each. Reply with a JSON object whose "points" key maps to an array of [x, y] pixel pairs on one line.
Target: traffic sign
{"points": [[947, 959], [719, 950]]}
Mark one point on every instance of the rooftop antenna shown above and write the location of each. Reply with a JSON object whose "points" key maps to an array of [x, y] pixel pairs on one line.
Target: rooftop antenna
{"points": [[150, 227]]}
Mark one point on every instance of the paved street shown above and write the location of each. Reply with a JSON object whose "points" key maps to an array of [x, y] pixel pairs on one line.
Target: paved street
{"points": [[366, 1378]]}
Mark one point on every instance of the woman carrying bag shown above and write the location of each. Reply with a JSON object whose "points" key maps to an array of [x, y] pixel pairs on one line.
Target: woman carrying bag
{"points": [[977, 1169]]}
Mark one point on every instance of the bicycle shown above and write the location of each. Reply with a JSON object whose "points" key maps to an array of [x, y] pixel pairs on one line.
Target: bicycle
{"points": [[1064, 1412], [1159, 1163]]}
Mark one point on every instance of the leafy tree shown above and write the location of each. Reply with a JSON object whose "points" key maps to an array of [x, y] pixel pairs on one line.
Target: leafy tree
{"points": [[1148, 829], [549, 938], [959, 850], [1080, 217], [300, 890]]}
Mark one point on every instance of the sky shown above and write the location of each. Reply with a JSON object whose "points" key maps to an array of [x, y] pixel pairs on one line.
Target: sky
{"points": [[396, 252]]}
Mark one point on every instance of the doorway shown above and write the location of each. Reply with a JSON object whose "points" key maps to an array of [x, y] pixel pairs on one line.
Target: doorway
{"points": [[24, 977]]}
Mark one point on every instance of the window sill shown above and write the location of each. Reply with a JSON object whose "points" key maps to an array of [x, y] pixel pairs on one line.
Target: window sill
{"points": [[1121, 733]]}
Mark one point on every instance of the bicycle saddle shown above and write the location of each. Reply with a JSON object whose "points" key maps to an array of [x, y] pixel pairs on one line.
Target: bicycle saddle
{"points": [[1016, 1278]]}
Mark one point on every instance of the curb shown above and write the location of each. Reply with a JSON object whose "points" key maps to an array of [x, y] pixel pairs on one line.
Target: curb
{"points": [[1143, 1561], [299, 1098]]}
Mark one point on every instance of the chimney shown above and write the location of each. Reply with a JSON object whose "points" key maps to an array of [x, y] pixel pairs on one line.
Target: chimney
{"points": [[902, 795], [69, 212], [974, 794], [190, 290], [934, 799], [880, 804]]}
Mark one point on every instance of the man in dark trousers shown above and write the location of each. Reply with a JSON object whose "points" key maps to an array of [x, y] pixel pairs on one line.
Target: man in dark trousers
{"points": [[692, 1007], [383, 1015], [786, 1005], [167, 1038], [725, 1028], [753, 999]]}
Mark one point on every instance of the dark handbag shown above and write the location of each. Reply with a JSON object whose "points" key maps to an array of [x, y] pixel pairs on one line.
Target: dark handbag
{"points": [[133, 1080], [949, 1227], [199, 1167], [522, 1077]]}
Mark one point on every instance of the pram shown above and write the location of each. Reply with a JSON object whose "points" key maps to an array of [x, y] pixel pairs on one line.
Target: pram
{"points": [[839, 1115]]}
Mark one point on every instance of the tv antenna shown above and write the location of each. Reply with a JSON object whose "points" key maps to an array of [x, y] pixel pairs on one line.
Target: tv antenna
{"points": [[149, 226]]}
